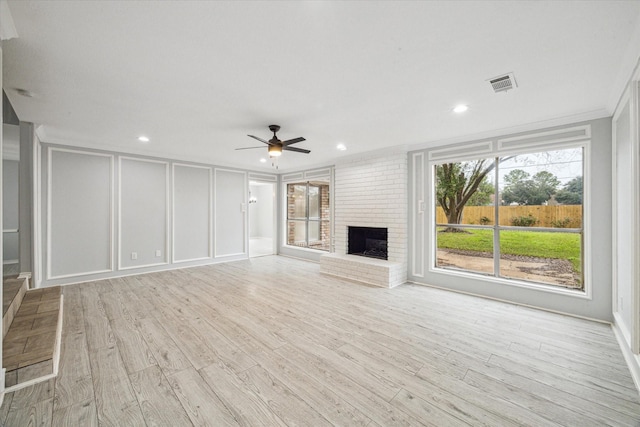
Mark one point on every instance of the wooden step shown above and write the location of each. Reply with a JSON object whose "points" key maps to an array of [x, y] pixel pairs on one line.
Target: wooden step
{"points": [[13, 291], [30, 346]]}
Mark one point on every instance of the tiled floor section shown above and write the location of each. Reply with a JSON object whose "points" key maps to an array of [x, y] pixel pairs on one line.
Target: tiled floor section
{"points": [[32, 336]]}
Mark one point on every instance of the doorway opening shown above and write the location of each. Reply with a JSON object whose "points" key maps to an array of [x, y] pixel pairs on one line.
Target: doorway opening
{"points": [[261, 218]]}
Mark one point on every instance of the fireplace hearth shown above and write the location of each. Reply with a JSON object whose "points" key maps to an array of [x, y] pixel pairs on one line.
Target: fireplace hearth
{"points": [[368, 242]]}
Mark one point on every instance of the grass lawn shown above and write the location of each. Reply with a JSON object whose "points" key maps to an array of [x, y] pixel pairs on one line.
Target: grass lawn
{"points": [[528, 243]]}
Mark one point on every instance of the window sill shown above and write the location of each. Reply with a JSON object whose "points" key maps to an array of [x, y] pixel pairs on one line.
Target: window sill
{"points": [[302, 248], [582, 294]]}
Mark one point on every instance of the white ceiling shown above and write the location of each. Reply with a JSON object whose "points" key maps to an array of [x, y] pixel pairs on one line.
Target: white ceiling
{"points": [[197, 77]]}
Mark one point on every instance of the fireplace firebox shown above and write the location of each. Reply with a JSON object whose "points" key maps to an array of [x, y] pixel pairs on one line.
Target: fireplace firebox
{"points": [[368, 241]]}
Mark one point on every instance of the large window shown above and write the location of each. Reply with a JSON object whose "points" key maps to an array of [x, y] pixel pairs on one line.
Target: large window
{"points": [[517, 217], [308, 215]]}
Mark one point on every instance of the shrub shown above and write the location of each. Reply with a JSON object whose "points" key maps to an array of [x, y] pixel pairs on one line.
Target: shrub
{"points": [[524, 221], [561, 223], [485, 220]]}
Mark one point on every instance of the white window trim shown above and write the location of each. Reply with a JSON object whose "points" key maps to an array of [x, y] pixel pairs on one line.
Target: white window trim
{"points": [[550, 144], [286, 219]]}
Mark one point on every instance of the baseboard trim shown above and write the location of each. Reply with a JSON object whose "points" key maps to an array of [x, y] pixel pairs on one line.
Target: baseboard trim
{"points": [[564, 313], [633, 360]]}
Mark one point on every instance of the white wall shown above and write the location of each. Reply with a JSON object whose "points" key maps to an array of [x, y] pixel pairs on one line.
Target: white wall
{"points": [[261, 212], [80, 212], [100, 207], [1, 225], [143, 217], [10, 172], [623, 217], [230, 207], [254, 225], [626, 225], [10, 208], [192, 233], [597, 305]]}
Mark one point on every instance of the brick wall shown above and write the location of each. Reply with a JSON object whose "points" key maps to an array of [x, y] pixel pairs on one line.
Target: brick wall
{"points": [[325, 213], [371, 191], [291, 209]]}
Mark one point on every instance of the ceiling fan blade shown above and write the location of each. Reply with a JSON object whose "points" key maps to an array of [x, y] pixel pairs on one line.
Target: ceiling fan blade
{"points": [[259, 139], [297, 150], [293, 141], [248, 148]]}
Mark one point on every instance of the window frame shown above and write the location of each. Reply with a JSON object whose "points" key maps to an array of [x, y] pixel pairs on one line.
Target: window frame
{"points": [[494, 149], [307, 219]]}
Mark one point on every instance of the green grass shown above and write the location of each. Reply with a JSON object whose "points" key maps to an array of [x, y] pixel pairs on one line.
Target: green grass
{"points": [[528, 243]]}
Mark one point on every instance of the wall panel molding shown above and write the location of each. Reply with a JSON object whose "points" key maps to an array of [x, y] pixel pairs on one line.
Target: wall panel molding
{"points": [[418, 214], [49, 273], [231, 192], [556, 136], [119, 180], [190, 203], [166, 232]]}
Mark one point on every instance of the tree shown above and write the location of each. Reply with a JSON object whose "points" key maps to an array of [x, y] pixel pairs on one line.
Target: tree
{"points": [[516, 176], [457, 183], [523, 190], [546, 185], [517, 187], [482, 196], [571, 193]]}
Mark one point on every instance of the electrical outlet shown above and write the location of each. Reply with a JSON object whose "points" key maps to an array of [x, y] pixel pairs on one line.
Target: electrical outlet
{"points": [[134, 255], [158, 252]]}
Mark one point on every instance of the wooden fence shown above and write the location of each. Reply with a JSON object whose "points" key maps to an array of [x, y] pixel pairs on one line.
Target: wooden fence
{"points": [[546, 216]]}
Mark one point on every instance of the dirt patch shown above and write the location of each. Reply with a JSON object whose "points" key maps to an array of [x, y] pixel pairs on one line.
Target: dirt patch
{"points": [[545, 270]]}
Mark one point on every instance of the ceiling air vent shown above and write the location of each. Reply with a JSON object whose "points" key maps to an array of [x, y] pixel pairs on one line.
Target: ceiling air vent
{"points": [[503, 83]]}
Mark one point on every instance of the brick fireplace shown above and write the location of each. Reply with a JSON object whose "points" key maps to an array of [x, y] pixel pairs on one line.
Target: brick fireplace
{"points": [[370, 191]]}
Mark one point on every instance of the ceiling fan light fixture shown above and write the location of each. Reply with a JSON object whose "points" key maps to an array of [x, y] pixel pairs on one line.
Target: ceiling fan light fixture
{"points": [[275, 151], [275, 147]]}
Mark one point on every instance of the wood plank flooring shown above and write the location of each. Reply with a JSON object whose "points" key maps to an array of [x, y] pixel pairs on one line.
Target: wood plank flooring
{"points": [[270, 341]]}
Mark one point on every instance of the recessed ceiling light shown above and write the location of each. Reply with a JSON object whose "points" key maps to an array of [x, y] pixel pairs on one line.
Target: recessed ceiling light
{"points": [[143, 139], [341, 147], [460, 108], [263, 160]]}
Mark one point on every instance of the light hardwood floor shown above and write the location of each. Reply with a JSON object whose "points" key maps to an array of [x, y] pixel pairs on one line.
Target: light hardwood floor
{"points": [[272, 342]]}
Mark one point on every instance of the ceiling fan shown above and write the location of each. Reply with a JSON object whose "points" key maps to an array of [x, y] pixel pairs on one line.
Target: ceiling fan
{"points": [[275, 146]]}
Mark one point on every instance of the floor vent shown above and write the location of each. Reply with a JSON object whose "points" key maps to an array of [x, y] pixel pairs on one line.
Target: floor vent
{"points": [[503, 83]]}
